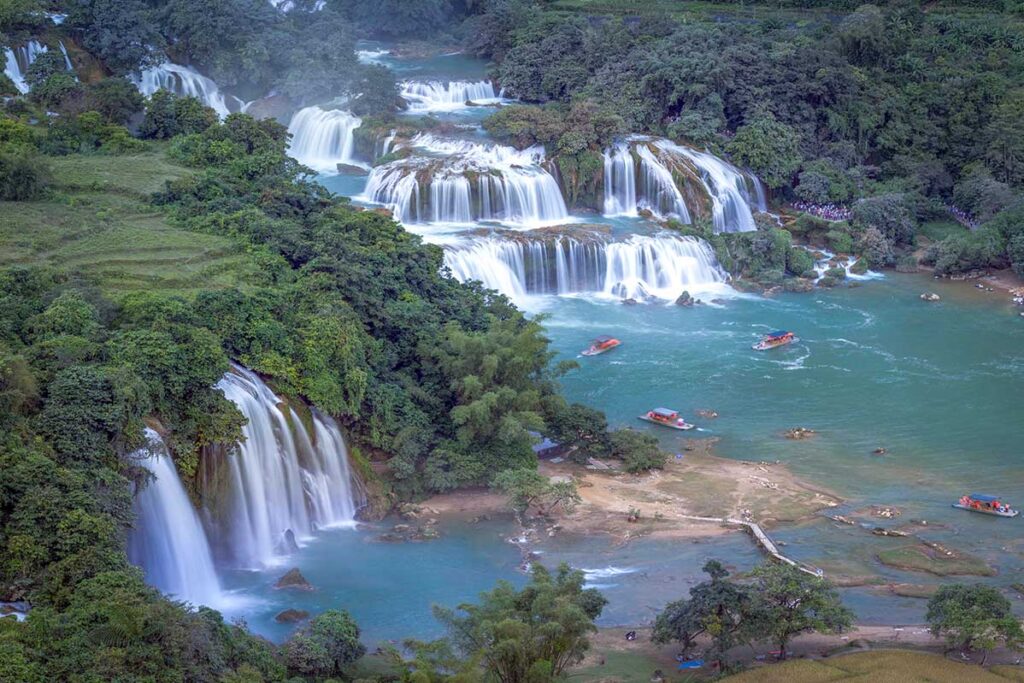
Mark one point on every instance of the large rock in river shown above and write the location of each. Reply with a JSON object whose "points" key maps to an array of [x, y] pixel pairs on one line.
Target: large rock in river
{"points": [[290, 616], [293, 578]]}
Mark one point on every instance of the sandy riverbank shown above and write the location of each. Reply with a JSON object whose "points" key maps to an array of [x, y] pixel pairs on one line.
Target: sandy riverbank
{"points": [[697, 483]]}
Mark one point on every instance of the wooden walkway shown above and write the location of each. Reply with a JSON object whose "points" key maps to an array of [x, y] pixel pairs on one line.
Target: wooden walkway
{"points": [[763, 540]]}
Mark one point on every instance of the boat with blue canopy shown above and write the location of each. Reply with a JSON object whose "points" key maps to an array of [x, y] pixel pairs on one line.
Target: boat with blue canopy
{"points": [[986, 504]]}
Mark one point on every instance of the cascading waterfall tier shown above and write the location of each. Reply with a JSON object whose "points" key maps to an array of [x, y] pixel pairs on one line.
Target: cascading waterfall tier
{"points": [[647, 173], [424, 96], [168, 541], [458, 182], [641, 267], [187, 82], [282, 477], [323, 138], [18, 59]]}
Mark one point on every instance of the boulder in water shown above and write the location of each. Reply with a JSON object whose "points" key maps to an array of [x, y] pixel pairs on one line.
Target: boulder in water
{"points": [[685, 299], [290, 616], [799, 433], [352, 169], [290, 544], [293, 578]]}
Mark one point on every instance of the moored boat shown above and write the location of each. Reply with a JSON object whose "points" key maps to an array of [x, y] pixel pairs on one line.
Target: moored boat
{"points": [[667, 418], [986, 504], [600, 345], [775, 339]]}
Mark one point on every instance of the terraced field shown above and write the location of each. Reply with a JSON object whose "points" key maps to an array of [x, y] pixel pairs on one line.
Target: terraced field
{"points": [[98, 223]]}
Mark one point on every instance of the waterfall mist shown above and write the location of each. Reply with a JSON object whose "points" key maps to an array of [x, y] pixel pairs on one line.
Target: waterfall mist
{"points": [[447, 95]]}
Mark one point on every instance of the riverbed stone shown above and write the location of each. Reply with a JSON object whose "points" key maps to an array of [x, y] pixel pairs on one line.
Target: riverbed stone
{"points": [[291, 616], [293, 578], [685, 299]]}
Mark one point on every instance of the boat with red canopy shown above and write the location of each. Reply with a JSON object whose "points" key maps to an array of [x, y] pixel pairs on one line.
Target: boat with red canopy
{"points": [[775, 339], [986, 504], [667, 418], [600, 345]]}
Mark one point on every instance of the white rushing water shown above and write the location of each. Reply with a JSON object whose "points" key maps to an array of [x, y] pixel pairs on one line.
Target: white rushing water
{"points": [[642, 267], [658, 191], [425, 96], [18, 59], [647, 181], [458, 182], [169, 542], [323, 138], [619, 181], [186, 81], [282, 478]]}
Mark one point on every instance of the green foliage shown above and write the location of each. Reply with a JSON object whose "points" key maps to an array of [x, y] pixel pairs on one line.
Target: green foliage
{"points": [[122, 33], [47, 64], [57, 91], [580, 430], [790, 602], [325, 646], [116, 99], [168, 115], [889, 214], [527, 488], [799, 262], [973, 618], [518, 636], [23, 174], [768, 147], [639, 452], [397, 18], [718, 608]]}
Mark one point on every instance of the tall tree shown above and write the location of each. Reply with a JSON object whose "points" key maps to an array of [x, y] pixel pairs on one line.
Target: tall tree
{"points": [[973, 618], [791, 602]]}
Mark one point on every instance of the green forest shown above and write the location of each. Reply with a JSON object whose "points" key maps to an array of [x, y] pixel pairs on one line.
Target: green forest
{"points": [[146, 244]]}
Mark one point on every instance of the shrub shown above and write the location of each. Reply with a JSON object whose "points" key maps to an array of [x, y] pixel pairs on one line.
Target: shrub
{"points": [[638, 451], [117, 99], [57, 91], [325, 646], [839, 241], [23, 175], [888, 214], [168, 115], [799, 261], [876, 248]]}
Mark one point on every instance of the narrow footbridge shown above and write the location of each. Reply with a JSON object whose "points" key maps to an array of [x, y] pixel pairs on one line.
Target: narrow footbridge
{"points": [[763, 540]]}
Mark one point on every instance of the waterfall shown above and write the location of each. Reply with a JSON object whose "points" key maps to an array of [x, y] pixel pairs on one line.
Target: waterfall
{"points": [[169, 542], [459, 182], [730, 191], [446, 96], [640, 267], [282, 478], [322, 138], [187, 82], [658, 191], [18, 59], [727, 187], [619, 181]]}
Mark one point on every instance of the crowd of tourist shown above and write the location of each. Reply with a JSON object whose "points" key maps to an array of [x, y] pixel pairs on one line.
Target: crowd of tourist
{"points": [[962, 217], [830, 212]]}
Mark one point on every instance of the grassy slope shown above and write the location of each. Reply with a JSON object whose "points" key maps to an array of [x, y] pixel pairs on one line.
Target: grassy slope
{"points": [[895, 666], [98, 223]]}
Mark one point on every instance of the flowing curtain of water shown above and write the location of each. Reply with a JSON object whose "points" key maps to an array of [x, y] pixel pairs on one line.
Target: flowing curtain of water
{"points": [[282, 478], [321, 139], [619, 181], [726, 185], [18, 59], [511, 187], [169, 542], [658, 266], [658, 191], [185, 81], [447, 95]]}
